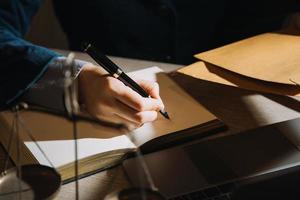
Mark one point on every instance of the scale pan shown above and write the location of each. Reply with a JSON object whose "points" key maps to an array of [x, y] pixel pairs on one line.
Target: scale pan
{"points": [[36, 182]]}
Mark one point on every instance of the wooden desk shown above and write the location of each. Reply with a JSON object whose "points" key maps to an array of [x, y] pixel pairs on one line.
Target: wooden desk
{"points": [[239, 109]]}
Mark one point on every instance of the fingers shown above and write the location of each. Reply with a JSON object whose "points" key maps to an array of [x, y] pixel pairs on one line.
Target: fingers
{"points": [[131, 119], [133, 116], [131, 98], [116, 111], [109, 99]]}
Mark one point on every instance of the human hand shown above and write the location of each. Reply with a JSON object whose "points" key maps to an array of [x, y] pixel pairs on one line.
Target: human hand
{"points": [[109, 99]]}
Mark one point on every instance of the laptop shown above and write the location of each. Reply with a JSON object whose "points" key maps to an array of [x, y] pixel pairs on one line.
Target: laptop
{"points": [[261, 163]]}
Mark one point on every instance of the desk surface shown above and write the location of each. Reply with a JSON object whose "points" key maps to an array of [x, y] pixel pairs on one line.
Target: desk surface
{"points": [[239, 109]]}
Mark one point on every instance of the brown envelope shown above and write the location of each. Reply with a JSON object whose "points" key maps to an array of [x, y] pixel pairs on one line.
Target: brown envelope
{"points": [[209, 72], [273, 57]]}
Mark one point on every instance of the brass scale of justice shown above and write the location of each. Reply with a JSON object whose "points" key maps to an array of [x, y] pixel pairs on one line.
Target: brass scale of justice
{"points": [[36, 181]]}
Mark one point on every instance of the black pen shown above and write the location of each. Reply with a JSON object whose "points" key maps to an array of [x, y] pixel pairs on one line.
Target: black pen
{"points": [[116, 72]]}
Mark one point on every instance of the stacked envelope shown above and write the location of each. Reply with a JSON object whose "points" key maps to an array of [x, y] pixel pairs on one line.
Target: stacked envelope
{"points": [[268, 62]]}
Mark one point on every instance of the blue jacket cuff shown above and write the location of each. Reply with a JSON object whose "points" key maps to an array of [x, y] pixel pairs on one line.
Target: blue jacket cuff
{"points": [[48, 92]]}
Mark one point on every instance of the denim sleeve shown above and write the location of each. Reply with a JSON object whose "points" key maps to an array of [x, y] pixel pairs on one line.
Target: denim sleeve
{"points": [[21, 62], [48, 92]]}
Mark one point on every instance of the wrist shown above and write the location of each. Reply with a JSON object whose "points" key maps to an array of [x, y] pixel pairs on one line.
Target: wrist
{"points": [[88, 74]]}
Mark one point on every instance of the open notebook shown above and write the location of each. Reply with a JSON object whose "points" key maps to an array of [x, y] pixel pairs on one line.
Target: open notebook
{"points": [[100, 147]]}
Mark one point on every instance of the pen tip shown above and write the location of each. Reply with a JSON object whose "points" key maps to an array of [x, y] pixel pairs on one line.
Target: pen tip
{"points": [[165, 114]]}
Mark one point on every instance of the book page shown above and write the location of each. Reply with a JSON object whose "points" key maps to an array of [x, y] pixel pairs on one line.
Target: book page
{"points": [[61, 152], [54, 135], [184, 111]]}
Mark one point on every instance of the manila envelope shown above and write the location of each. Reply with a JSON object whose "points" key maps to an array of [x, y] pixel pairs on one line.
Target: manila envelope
{"points": [[268, 62], [209, 72]]}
